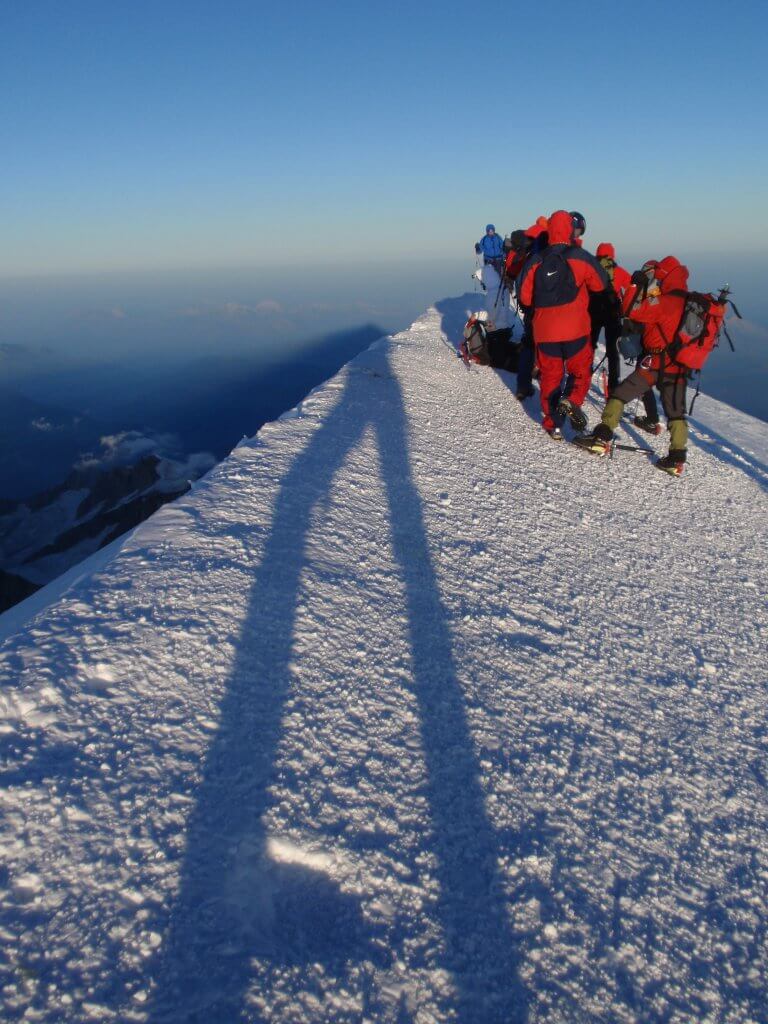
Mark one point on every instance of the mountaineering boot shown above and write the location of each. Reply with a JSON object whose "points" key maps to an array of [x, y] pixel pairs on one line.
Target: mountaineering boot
{"points": [[555, 433], [598, 442], [565, 407], [650, 426], [674, 463]]}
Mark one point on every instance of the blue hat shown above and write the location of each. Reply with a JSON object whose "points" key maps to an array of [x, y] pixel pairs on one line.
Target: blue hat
{"points": [[490, 227]]}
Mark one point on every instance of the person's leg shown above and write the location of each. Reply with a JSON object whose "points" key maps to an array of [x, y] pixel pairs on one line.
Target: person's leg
{"points": [[525, 367], [491, 280], [550, 382], [612, 334], [673, 400], [594, 336], [578, 363], [632, 387], [651, 406], [577, 357]]}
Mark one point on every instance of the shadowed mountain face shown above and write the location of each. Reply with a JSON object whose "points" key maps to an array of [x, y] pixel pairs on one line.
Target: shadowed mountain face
{"points": [[98, 501], [52, 411], [120, 441], [39, 442]]}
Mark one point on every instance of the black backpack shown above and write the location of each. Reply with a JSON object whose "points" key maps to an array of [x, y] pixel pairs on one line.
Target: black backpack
{"points": [[605, 306], [554, 284]]}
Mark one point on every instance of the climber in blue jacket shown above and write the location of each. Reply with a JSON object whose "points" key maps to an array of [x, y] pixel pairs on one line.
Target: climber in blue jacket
{"points": [[491, 247]]}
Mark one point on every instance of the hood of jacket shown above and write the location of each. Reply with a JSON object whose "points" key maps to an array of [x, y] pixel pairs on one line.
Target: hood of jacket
{"points": [[560, 228], [671, 275], [538, 228], [606, 249]]}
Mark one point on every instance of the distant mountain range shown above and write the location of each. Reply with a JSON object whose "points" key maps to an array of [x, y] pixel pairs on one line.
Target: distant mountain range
{"points": [[99, 500], [118, 438]]}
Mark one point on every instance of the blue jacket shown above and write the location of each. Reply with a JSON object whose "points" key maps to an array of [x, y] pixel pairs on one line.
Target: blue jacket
{"points": [[492, 246]]}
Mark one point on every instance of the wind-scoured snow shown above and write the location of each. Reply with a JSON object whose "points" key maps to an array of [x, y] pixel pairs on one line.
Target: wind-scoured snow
{"points": [[405, 713]]}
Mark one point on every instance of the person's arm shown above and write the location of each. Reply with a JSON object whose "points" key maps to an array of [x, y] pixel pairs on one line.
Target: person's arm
{"points": [[525, 282], [628, 298], [653, 312], [621, 280], [648, 312], [591, 273]]}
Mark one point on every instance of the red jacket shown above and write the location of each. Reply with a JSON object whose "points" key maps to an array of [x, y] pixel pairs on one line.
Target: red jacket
{"points": [[570, 321], [661, 315], [514, 263]]}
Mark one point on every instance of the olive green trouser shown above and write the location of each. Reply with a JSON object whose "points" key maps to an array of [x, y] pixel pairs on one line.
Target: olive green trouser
{"points": [[673, 397]]}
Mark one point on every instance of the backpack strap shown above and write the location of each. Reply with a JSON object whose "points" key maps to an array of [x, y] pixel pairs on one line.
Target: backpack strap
{"points": [[698, 390]]}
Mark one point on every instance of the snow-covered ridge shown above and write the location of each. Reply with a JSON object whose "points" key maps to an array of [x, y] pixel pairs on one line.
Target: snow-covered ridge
{"points": [[404, 713]]}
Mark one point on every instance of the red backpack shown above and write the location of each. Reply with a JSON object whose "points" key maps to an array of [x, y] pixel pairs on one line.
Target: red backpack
{"points": [[700, 326]]}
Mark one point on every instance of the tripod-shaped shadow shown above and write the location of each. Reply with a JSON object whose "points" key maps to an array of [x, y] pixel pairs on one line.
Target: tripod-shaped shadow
{"points": [[234, 904]]}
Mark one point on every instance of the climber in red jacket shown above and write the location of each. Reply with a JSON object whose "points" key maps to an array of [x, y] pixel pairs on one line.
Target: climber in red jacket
{"points": [[659, 313], [605, 310], [557, 284]]}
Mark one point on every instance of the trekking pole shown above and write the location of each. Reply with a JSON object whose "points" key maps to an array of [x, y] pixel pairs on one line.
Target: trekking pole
{"points": [[499, 290], [631, 448], [599, 364]]}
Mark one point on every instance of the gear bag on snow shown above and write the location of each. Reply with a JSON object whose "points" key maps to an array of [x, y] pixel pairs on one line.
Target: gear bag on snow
{"points": [[489, 348], [554, 284]]}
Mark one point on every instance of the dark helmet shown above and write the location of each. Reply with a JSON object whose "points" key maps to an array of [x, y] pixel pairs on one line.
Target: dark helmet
{"points": [[579, 224]]}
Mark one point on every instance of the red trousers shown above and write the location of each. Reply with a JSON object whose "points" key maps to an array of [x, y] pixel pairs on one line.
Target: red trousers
{"points": [[557, 359]]}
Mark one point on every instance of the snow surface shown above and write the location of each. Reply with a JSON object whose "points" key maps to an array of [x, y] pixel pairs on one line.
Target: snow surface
{"points": [[405, 713]]}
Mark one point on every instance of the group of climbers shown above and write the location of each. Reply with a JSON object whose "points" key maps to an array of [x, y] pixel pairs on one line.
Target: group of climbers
{"points": [[567, 297]]}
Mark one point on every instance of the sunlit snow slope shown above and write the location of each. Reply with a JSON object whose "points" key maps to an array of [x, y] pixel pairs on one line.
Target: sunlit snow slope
{"points": [[405, 713]]}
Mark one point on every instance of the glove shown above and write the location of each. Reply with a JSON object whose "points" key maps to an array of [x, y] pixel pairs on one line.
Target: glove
{"points": [[478, 250], [639, 279]]}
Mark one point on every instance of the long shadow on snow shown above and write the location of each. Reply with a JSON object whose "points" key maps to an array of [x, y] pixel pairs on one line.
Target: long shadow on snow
{"points": [[731, 454], [234, 904]]}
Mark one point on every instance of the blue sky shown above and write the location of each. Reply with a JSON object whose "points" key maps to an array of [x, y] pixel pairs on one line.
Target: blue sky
{"points": [[191, 134]]}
